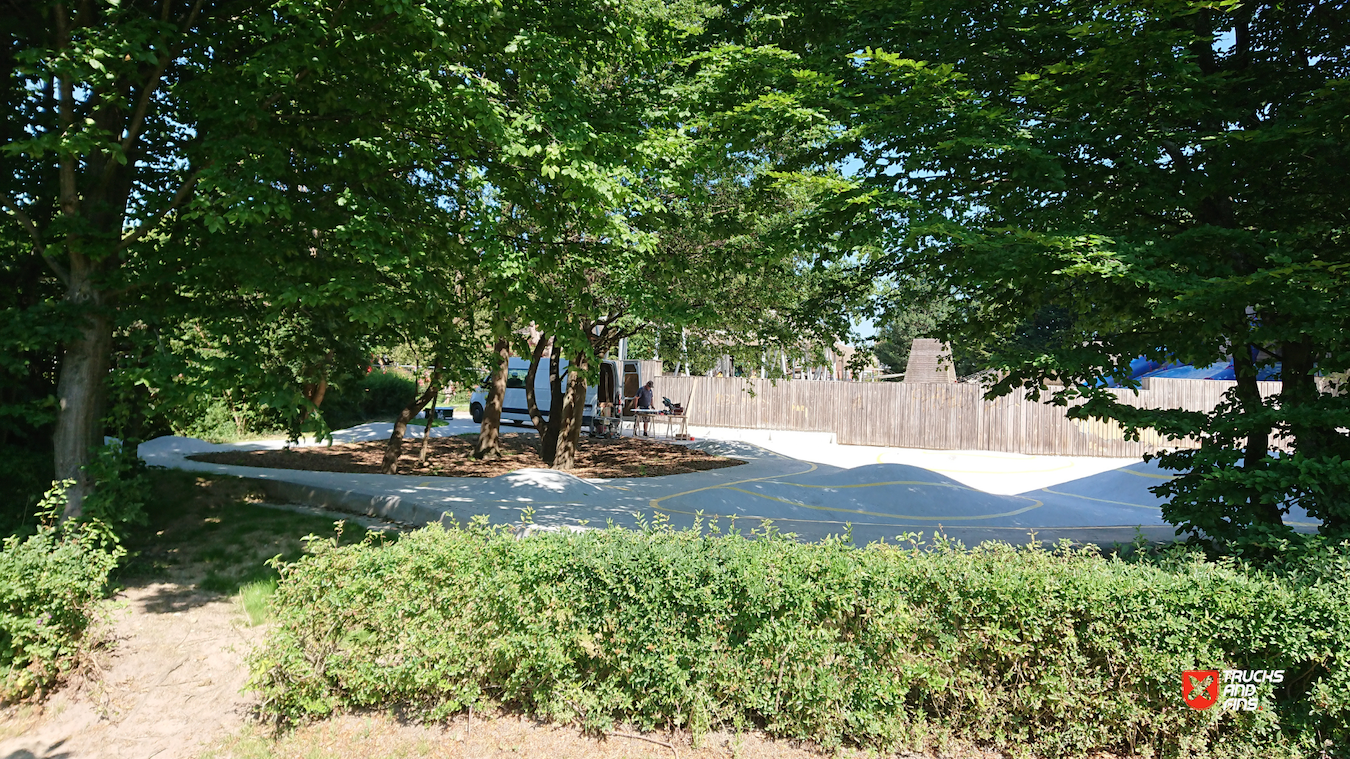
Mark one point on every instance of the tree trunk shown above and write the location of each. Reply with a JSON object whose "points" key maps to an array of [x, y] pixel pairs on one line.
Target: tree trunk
{"points": [[80, 392], [93, 191], [531, 401], [314, 393], [394, 448], [489, 432], [1314, 432], [548, 445], [1258, 432], [1298, 391], [426, 431], [574, 410]]}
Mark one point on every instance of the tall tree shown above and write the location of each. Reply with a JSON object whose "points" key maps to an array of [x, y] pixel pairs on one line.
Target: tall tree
{"points": [[675, 230], [1163, 178], [131, 124]]}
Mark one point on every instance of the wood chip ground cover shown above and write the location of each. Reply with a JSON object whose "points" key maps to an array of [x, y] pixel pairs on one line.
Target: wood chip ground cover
{"points": [[451, 457]]}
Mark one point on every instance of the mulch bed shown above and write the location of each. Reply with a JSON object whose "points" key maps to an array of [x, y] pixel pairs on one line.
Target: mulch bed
{"points": [[450, 457]]}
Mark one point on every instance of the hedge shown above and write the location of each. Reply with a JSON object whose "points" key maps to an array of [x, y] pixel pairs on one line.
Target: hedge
{"points": [[1050, 652]]}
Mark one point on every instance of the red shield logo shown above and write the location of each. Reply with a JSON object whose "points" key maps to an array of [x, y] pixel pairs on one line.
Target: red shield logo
{"points": [[1200, 688]]}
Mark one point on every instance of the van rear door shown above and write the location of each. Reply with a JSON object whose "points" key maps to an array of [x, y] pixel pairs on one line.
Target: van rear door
{"points": [[632, 382]]}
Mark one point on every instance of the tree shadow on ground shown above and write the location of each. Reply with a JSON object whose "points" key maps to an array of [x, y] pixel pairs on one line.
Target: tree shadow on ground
{"points": [[212, 535]]}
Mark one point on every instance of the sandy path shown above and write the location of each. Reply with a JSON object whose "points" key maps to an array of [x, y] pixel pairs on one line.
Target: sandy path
{"points": [[170, 683]]}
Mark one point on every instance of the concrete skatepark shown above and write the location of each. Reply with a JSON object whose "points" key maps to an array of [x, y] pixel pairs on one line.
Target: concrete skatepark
{"points": [[802, 482]]}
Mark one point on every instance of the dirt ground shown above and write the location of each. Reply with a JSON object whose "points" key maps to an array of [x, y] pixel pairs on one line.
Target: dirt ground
{"points": [[169, 682], [502, 736], [450, 457]]}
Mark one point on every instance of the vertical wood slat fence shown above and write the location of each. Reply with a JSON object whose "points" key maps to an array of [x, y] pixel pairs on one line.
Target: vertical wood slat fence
{"points": [[934, 416]]}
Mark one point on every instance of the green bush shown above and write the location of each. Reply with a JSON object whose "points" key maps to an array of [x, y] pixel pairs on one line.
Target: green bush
{"points": [[120, 487], [220, 420], [386, 392], [379, 394], [375, 395], [49, 583], [1062, 651]]}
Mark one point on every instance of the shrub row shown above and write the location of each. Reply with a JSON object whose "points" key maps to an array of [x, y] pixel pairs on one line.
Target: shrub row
{"points": [[374, 395], [1048, 651], [377, 394], [50, 582]]}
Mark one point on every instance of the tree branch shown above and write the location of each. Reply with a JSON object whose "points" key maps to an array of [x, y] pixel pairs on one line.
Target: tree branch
{"points": [[183, 191], [70, 200], [38, 247], [1178, 157], [23, 219], [152, 83]]}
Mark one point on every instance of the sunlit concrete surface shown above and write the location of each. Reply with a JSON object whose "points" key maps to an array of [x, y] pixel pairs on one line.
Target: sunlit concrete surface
{"points": [[989, 471]]}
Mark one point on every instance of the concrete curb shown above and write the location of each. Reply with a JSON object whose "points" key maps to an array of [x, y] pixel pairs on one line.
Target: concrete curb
{"points": [[388, 507]]}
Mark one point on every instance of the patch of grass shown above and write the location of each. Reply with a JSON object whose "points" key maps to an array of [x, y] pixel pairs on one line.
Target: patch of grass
{"points": [[460, 398], [214, 532], [226, 435], [255, 598], [248, 743], [420, 421], [495, 734]]}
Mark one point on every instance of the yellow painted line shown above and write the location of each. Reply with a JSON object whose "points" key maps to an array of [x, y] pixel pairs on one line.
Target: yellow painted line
{"points": [[1101, 500], [1146, 474], [952, 485], [762, 518], [1034, 505], [655, 503]]}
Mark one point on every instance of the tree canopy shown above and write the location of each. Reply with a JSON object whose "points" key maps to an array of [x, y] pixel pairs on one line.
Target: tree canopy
{"points": [[1161, 179], [242, 198]]}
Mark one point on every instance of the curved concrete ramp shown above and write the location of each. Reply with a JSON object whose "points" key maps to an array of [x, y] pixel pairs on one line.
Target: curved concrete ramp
{"points": [[873, 501], [881, 501]]}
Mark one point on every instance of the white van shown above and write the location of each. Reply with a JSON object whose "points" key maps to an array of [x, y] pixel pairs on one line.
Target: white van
{"points": [[516, 410]]}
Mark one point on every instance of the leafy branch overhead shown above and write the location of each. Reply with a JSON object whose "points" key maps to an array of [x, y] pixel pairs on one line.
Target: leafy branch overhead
{"points": [[233, 204]]}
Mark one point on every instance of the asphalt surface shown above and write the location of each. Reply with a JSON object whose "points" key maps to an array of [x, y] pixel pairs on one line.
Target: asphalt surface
{"points": [[869, 502]]}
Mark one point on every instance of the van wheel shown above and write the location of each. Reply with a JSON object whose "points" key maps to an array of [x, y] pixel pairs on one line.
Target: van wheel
{"points": [[476, 413]]}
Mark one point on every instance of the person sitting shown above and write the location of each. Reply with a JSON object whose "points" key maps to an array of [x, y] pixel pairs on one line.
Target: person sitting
{"points": [[644, 401]]}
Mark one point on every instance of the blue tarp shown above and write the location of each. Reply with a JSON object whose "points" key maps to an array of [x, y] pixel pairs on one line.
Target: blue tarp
{"points": [[1222, 370], [1141, 368]]}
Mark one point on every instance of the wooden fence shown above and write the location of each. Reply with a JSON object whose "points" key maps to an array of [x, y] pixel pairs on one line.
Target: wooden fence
{"points": [[934, 416]]}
